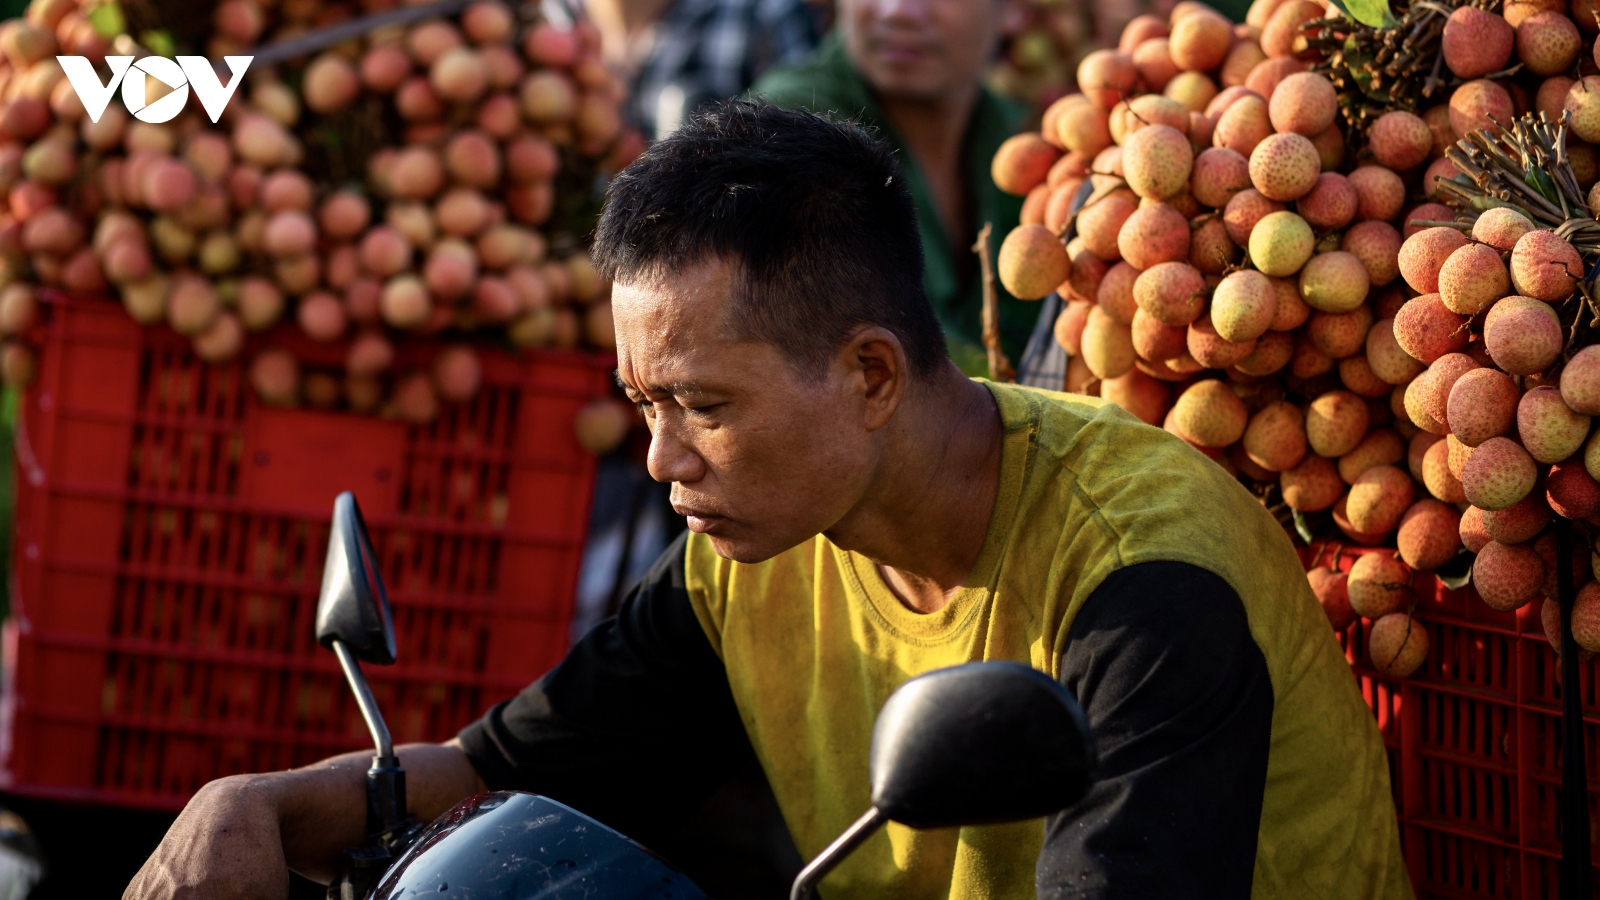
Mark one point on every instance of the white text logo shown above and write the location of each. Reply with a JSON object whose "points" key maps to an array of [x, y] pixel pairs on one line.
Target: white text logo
{"points": [[186, 72]]}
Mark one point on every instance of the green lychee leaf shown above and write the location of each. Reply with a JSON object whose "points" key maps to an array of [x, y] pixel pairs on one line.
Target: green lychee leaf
{"points": [[1339, 5], [1540, 180], [1372, 13], [1302, 527], [107, 20], [1457, 573]]}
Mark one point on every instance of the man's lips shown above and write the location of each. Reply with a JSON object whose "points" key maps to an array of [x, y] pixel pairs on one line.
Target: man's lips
{"points": [[701, 521], [901, 52]]}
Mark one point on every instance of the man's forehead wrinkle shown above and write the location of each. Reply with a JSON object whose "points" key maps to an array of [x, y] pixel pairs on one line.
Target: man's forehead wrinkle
{"points": [[658, 371]]}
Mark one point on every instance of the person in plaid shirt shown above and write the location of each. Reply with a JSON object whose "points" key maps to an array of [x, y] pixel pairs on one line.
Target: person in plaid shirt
{"points": [[679, 54]]}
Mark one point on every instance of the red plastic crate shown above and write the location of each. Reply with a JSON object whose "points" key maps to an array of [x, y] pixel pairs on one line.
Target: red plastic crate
{"points": [[1474, 744], [170, 532]]}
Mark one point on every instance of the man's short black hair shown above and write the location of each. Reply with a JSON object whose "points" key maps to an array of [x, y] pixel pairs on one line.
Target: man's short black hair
{"points": [[813, 215]]}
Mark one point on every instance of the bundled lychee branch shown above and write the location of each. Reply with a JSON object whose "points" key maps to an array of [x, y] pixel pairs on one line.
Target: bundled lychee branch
{"points": [[1525, 167], [1377, 70]]}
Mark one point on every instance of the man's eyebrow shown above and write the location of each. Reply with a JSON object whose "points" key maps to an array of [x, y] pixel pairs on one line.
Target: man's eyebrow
{"points": [[676, 387]]}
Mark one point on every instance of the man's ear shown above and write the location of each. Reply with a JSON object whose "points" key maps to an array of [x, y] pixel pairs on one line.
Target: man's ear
{"points": [[876, 362]]}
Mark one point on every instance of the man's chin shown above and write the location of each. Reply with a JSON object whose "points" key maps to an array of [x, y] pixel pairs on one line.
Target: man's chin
{"points": [[909, 84], [744, 551]]}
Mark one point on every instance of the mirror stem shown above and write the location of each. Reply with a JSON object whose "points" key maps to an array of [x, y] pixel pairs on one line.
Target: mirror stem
{"points": [[386, 780], [818, 868], [364, 699]]}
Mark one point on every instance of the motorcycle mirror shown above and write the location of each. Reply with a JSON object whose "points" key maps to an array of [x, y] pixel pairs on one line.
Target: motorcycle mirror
{"points": [[354, 621], [979, 744], [975, 744], [354, 608]]}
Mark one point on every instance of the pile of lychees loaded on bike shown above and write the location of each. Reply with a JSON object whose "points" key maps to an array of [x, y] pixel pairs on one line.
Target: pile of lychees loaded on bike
{"points": [[1351, 263], [425, 184]]}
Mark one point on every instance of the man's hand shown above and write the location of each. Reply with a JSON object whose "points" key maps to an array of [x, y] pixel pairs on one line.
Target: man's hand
{"points": [[239, 837], [226, 844]]}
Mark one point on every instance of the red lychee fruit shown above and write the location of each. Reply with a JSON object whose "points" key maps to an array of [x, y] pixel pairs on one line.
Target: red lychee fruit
{"points": [[1547, 43], [1332, 592], [1106, 77], [1424, 254], [1243, 125], [1208, 413], [1549, 430], [1482, 405], [1472, 278], [1285, 166], [1154, 233], [1523, 336], [1429, 535], [1571, 491], [1476, 42], [1580, 381], [1397, 644], [1172, 293], [1379, 193], [1217, 174], [1379, 585], [1507, 576], [1377, 245], [1545, 267], [1378, 498], [1400, 140], [1427, 330], [1312, 485], [1303, 103], [1388, 360], [1100, 222], [1521, 521], [1498, 474], [1275, 437], [1211, 349], [1477, 104], [1156, 161], [1244, 210], [1336, 422], [1330, 204]]}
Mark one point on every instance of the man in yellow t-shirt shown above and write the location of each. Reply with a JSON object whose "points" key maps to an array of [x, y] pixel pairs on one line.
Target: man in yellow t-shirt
{"points": [[862, 513]]}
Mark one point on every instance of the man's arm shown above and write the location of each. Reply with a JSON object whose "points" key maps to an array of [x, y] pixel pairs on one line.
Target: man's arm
{"points": [[1180, 703], [240, 836], [635, 727]]}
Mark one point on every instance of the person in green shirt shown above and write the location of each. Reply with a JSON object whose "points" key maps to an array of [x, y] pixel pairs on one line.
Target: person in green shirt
{"points": [[913, 72]]}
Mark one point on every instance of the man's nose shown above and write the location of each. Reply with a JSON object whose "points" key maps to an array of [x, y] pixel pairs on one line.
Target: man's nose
{"points": [[671, 458], [899, 9]]}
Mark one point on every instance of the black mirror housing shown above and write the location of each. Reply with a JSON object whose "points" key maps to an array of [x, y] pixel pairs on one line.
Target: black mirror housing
{"points": [[979, 744], [354, 607]]}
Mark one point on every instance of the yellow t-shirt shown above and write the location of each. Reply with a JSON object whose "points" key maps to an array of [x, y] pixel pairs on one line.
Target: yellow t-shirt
{"points": [[814, 643]]}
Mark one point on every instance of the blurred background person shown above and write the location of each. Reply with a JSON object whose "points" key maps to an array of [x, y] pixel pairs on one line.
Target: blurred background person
{"points": [[677, 54], [914, 70]]}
